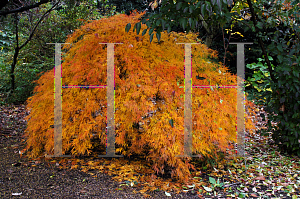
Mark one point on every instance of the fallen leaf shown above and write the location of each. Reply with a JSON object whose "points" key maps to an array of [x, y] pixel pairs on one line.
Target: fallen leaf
{"points": [[260, 178], [294, 197], [207, 189], [16, 194], [17, 164], [167, 194]]}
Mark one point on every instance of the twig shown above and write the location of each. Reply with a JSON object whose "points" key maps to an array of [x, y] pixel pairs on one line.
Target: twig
{"points": [[24, 8], [225, 48]]}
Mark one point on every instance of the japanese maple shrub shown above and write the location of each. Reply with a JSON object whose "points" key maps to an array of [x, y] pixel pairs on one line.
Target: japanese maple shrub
{"points": [[144, 72]]}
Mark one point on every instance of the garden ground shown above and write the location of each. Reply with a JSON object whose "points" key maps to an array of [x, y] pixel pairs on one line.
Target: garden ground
{"points": [[268, 173]]}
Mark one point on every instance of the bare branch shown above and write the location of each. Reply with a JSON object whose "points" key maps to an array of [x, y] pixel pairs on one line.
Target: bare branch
{"points": [[36, 25], [24, 8], [225, 48]]}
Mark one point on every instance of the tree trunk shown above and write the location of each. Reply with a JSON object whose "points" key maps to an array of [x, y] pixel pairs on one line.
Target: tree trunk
{"points": [[12, 69], [208, 40], [16, 54]]}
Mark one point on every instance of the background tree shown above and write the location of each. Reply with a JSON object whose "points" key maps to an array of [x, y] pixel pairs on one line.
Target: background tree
{"points": [[23, 60], [280, 83], [122, 6], [36, 56], [15, 6], [19, 45]]}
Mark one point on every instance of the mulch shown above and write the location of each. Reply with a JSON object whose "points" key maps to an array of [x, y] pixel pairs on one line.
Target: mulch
{"points": [[21, 177]]}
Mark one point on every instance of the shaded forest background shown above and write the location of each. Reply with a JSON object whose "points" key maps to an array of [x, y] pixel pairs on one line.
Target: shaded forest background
{"points": [[36, 30], [272, 62]]}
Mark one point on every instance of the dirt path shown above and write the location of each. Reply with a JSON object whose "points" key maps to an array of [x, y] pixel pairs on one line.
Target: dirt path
{"points": [[20, 177], [23, 178]]}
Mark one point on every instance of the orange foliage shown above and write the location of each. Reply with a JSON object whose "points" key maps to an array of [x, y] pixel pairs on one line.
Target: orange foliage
{"points": [[143, 71]]}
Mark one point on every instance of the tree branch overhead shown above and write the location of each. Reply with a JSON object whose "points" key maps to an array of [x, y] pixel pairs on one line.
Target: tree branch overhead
{"points": [[24, 8]]}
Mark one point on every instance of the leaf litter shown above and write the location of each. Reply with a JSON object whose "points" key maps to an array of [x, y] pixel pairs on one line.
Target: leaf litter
{"points": [[267, 172]]}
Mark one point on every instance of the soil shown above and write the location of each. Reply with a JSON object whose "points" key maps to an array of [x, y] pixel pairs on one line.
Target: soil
{"points": [[21, 177]]}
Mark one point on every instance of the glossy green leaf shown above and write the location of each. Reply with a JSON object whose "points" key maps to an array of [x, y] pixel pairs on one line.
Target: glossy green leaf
{"points": [[280, 58], [212, 180], [151, 30], [190, 22], [191, 8], [259, 25], [163, 23], [183, 22], [219, 3], [169, 29], [178, 5], [151, 37], [144, 32], [209, 8], [203, 9], [201, 78], [138, 28], [157, 22], [134, 27], [127, 28], [158, 35], [171, 122]]}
